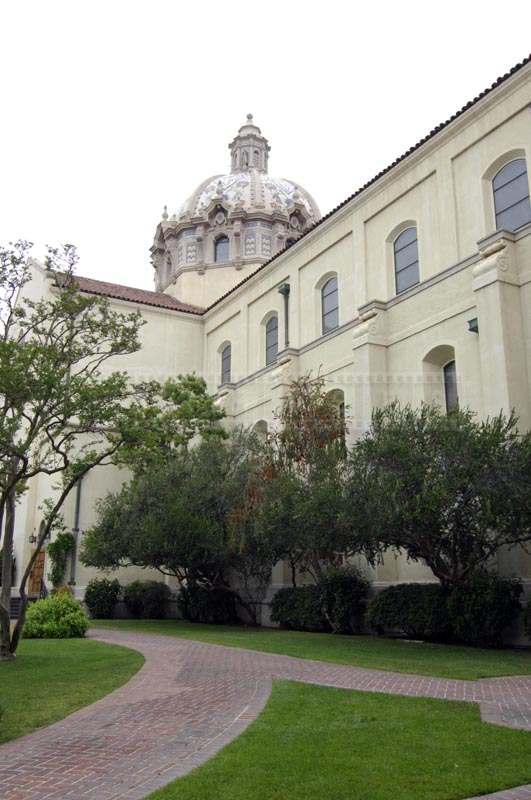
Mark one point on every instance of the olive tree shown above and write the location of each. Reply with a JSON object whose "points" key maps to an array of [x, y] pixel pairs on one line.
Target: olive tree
{"points": [[449, 490]]}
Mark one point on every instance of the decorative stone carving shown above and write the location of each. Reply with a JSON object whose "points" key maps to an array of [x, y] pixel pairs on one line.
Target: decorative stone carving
{"points": [[191, 253], [250, 245], [497, 262], [266, 246]]}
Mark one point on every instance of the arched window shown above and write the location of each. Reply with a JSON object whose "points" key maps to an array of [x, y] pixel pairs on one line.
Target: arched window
{"points": [[337, 396], [221, 249], [260, 430], [330, 305], [450, 387], [406, 260], [511, 195], [271, 343], [225, 364]]}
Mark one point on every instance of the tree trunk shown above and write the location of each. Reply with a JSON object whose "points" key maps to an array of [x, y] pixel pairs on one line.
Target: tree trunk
{"points": [[293, 573], [7, 577]]}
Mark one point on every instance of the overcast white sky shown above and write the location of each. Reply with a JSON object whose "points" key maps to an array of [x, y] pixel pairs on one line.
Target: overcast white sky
{"points": [[112, 109]]}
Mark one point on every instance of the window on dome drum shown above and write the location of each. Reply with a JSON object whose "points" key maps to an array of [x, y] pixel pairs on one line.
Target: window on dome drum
{"points": [[271, 349], [450, 387], [511, 196], [225, 364], [406, 260], [330, 305], [221, 249]]}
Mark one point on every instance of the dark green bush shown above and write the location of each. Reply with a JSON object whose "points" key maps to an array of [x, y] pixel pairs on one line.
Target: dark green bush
{"points": [[527, 619], [336, 603], [299, 608], [214, 606], [416, 609], [101, 597], [482, 609], [147, 599], [344, 598], [58, 617]]}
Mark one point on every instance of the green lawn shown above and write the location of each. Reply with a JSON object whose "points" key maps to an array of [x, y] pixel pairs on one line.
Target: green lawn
{"points": [[444, 661], [316, 743], [50, 678]]}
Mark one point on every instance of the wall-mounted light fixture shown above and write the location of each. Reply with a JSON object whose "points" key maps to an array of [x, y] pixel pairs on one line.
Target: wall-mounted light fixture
{"points": [[473, 326]]}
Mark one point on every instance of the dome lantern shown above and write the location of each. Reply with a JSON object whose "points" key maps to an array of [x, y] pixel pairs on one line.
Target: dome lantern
{"points": [[249, 149]]}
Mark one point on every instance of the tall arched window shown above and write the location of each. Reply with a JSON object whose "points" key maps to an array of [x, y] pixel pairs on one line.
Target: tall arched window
{"points": [[260, 430], [271, 342], [330, 305], [511, 195], [450, 387], [221, 249], [225, 364], [406, 260]]}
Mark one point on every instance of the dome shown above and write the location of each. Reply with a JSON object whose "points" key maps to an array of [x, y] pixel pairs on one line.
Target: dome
{"points": [[252, 191], [232, 223]]}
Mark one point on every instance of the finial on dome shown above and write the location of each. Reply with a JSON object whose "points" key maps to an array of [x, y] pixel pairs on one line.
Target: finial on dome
{"points": [[249, 149], [165, 213]]}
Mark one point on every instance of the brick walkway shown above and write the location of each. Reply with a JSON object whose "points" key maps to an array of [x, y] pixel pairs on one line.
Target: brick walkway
{"points": [[188, 701]]}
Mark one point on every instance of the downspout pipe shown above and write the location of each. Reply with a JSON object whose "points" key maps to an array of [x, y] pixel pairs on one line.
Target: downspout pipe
{"points": [[75, 531], [284, 290]]}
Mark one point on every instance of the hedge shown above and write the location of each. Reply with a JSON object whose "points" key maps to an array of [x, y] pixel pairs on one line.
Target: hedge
{"points": [[147, 599], [336, 603], [418, 610], [476, 613], [101, 597], [214, 606], [482, 609]]}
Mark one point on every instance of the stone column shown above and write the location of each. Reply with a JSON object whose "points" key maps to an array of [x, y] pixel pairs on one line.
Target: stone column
{"points": [[370, 365], [285, 372], [501, 332]]}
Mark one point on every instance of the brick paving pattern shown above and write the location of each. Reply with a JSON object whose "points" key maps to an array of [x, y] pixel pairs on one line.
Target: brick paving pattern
{"points": [[187, 702]]}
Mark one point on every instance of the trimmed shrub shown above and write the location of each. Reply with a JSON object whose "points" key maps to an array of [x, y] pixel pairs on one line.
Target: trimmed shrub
{"points": [[101, 597], [147, 599], [336, 603], [527, 620], [58, 617], [416, 609], [299, 608], [482, 609], [344, 599], [214, 606]]}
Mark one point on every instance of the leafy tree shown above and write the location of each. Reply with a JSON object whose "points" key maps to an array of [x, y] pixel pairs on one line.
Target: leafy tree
{"points": [[448, 489], [64, 410], [56, 398], [163, 419], [306, 468], [192, 518]]}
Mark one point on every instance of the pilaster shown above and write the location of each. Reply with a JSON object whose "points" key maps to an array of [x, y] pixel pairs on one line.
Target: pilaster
{"points": [[501, 332], [370, 364]]}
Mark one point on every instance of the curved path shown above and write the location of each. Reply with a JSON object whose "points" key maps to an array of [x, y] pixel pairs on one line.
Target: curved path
{"points": [[188, 701]]}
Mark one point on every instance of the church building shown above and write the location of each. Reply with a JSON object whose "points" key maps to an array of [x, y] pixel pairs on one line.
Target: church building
{"points": [[416, 287]]}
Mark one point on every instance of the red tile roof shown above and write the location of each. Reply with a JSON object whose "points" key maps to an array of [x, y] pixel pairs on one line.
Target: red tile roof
{"points": [[387, 169], [142, 296]]}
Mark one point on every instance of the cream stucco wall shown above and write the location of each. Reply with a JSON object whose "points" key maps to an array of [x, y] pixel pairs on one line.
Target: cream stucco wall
{"points": [[386, 346]]}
